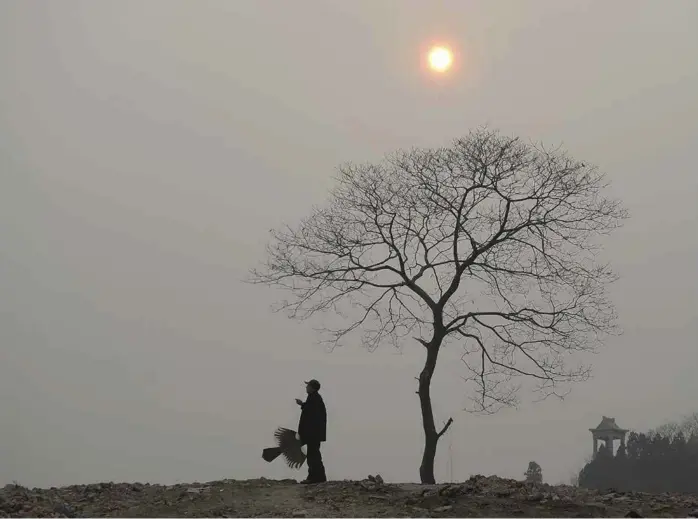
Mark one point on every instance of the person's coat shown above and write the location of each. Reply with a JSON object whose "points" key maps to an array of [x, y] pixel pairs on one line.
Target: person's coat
{"points": [[312, 427]]}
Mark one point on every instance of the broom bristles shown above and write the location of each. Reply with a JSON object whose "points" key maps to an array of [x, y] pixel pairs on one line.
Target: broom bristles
{"points": [[288, 445]]}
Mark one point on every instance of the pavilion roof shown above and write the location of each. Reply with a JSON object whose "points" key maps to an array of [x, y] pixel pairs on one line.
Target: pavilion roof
{"points": [[608, 424]]}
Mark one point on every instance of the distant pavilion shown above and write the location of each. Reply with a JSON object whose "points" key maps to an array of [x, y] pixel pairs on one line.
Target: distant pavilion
{"points": [[608, 431]]}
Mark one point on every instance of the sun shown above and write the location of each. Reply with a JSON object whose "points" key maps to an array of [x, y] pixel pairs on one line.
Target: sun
{"points": [[440, 59]]}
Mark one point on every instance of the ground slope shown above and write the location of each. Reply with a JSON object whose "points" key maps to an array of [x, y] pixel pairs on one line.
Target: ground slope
{"points": [[479, 496]]}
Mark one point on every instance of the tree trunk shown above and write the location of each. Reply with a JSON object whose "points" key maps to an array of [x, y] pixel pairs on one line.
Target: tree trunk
{"points": [[426, 469], [431, 435]]}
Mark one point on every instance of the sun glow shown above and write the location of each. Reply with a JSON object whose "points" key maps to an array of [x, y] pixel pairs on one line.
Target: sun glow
{"points": [[440, 59]]}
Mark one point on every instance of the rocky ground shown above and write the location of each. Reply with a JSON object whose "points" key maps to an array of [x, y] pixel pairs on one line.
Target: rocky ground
{"points": [[478, 497]]}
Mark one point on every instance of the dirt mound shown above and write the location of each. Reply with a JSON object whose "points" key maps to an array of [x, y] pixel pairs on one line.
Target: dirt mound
{"points": [[479, 497]]}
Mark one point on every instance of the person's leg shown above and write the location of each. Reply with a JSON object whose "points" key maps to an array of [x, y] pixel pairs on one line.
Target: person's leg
{"points": [[311, 456], [316, 470], [319, 474]]}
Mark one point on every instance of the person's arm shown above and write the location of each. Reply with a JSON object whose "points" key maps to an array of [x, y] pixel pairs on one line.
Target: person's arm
{"points": [[310, 403], [322, 413]]}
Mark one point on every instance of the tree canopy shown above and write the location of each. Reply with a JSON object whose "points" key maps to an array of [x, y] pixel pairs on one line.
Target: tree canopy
{"points": [[534, 473], [492, 241]]}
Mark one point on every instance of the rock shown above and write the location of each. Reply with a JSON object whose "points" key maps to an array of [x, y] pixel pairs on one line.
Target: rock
{"points": [[368, 485], [377, 479], [65, 510], [442, 509], [450, 490], [694, 513], [633, 513], [300, 513]]}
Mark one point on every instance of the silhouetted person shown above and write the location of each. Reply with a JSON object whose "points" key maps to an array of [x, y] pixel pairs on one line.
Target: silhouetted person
{"points": [[312, 429]]}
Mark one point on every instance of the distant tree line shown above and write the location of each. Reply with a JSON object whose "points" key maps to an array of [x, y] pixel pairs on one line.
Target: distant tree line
{"points": [[662, 460]]}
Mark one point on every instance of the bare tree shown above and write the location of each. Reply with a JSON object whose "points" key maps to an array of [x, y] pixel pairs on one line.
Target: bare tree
{"points": [[490, 242], [688, 426]]}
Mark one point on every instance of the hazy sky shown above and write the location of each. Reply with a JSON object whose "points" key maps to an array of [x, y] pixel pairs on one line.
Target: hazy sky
{"points": [[147, 147]]}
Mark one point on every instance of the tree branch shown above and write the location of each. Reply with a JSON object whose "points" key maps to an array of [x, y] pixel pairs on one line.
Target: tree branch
{"points": [[445, 428]]}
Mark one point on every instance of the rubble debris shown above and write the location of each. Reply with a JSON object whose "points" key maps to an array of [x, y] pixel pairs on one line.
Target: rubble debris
{"points": [[372, 497]]}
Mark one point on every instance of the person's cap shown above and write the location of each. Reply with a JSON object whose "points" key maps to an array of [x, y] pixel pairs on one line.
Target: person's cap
{"points": [[313, 383]]}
